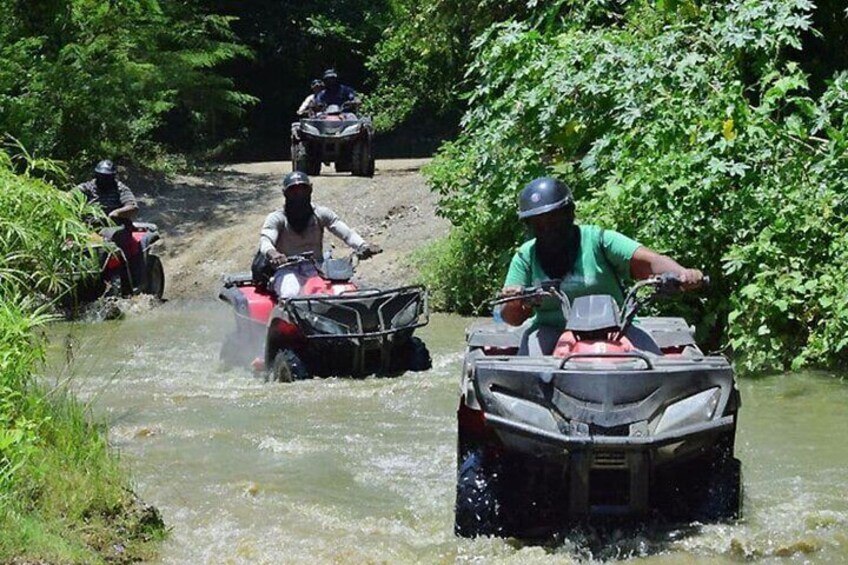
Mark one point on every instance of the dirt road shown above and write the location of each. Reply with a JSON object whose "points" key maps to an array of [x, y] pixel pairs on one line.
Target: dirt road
{"points": [[211, 221]]}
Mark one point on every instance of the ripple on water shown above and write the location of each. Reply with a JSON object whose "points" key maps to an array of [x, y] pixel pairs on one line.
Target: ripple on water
{"points": [[295, 446], [353, 471]]}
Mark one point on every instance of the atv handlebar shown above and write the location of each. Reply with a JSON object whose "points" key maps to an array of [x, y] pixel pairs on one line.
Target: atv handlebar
{"points": [[309, 257], [545, 289]]}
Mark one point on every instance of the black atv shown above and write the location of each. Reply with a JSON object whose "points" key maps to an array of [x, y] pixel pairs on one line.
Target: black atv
{"points": [[333, 135]]}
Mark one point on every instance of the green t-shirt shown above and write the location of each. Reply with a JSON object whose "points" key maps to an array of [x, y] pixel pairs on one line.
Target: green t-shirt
{"points": [[592, 273]]}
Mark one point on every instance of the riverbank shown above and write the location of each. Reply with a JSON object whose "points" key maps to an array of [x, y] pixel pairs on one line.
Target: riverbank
{"points": [[64, 495]]}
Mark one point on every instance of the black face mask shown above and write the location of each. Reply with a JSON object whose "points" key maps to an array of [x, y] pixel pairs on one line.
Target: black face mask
{"points": [[557, 250], [299, 211], [105, 183]]}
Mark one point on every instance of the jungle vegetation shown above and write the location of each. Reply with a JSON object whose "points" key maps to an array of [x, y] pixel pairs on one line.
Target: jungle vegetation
{"points": [[713, 132]]}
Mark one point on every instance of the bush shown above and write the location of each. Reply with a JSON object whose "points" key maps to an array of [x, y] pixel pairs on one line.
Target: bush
{"points": [[688, 127], [63, 496]]}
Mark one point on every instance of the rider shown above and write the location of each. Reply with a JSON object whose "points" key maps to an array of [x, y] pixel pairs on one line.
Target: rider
{"points": [[119, 204], [306, 108], [587, 258], [299, 228], [335, 93]]}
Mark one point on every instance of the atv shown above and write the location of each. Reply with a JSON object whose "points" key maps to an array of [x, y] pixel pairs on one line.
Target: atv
{"points": [[114, 278], [627, 419], [333, 135], [332, 328]]}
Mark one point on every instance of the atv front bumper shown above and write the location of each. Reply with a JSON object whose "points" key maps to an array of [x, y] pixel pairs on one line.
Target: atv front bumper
{"points": [[620, 436]]}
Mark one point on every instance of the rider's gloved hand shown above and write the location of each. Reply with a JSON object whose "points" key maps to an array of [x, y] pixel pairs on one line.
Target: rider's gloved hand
{"points": [[276, 258], [367, 250]]}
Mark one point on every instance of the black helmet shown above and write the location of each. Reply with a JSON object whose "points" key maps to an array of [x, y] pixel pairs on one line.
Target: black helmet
{"points": [[543, 195], [295, 178], [330, 74], [105, 167]]}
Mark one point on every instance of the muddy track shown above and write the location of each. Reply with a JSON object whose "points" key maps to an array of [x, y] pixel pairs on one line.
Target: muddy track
{"points": [[211, 221]]}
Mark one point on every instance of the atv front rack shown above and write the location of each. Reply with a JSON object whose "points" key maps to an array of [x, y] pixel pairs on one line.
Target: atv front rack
{"points": [[360, 314]]}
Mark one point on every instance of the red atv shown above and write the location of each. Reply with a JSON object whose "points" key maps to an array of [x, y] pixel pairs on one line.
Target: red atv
{"points": [[332, 328], [115, 278]]}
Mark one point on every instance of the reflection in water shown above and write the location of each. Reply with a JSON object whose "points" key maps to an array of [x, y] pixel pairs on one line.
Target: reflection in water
{"points": [[352, 471]]}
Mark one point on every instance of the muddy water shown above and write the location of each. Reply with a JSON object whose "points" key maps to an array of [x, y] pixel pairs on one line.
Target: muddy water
{"points": [[344, 471]]}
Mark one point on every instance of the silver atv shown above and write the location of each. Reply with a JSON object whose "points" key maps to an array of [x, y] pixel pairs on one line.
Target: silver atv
{"points": [[627, 419]]}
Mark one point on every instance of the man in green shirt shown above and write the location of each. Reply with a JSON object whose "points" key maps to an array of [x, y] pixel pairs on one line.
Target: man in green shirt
{"points": [[588, 260]]}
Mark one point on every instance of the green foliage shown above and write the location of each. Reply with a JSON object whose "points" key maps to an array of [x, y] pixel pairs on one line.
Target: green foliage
{"points": [[42, 237], [80, 79], [419, 64], [686, 126], [63, 496]]}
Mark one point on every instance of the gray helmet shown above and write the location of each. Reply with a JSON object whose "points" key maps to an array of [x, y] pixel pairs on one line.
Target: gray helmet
{"points": [[295, 178], [543, 195], [105, 167], [316, 82]]}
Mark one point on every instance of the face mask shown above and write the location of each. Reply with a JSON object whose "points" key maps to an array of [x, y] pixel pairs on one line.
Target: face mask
{"points": [[105, 183], [299, 211], [557, 250]]}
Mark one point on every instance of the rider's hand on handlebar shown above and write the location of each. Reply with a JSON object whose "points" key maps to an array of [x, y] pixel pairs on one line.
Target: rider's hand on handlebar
{"points": [[368, 250], [691, 279], [276, 258]]}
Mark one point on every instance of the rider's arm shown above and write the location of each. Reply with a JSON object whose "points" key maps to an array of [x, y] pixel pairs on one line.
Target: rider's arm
{"points": [[129, 206], [519, 276], [338, 228], [646, 262], [269, 234], [306, 105], [85, 189]]}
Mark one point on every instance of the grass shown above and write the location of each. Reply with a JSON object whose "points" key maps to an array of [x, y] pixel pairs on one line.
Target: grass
{"points": [[64, 495]]}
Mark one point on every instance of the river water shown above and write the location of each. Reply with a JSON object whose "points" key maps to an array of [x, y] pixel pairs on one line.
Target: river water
{"points": [[363, 471]]}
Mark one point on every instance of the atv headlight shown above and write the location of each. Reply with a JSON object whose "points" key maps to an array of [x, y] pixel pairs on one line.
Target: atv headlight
{"points": [[326, 325], [694, 409], [525, 411], [407, 316], [349, 130]]}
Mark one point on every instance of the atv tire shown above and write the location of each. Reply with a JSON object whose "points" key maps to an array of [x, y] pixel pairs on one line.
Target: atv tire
{"points": [[313, 163], [417, 355], [722, 498], [154, 277], [478, 507], [362, 159], [287, 367]]}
